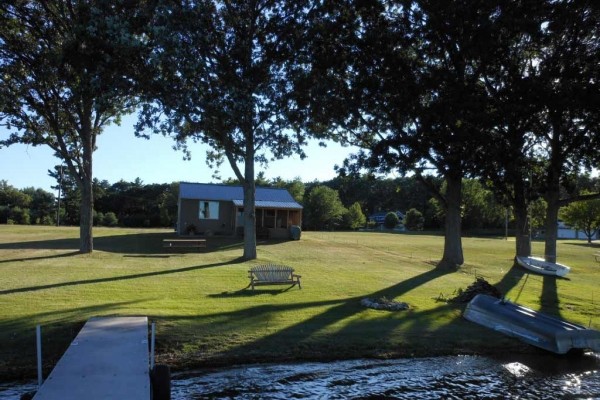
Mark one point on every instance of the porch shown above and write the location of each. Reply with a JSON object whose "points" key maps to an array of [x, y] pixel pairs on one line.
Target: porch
{"points": [[273, 223]]}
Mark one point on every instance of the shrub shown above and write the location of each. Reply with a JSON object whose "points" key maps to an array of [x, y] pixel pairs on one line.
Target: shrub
{"points": [[354, 217], [98, 218], [20, 216], [110, 219], [391, 220], [414, 220], [47, 220], [4, 214], [323, 208]]}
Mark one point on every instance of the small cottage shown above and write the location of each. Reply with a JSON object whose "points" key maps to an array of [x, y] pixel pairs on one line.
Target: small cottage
{"points": [[567, 232], [213, 209], [378, 218]]}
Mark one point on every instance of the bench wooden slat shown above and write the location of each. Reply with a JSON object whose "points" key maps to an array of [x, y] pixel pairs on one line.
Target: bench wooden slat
{"points": [[182, 243], [273, 275]]}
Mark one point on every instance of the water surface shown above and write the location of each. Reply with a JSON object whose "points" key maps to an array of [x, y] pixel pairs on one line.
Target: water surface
{"points": [[463, 377], [460, 377]]}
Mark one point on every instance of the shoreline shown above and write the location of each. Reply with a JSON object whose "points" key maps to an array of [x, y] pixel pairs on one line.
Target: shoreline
{"points": [[180, 366]]}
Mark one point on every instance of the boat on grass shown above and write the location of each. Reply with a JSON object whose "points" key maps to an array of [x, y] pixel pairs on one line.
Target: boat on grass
{"points": [[541, 266], [529, 326]]}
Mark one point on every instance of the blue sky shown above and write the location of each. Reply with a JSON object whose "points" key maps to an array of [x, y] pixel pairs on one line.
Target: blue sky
{"points": [[121, 155]]}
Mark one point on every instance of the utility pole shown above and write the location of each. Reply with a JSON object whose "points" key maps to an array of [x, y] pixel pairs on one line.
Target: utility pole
{"points": [[506, 225], [59, 189]]}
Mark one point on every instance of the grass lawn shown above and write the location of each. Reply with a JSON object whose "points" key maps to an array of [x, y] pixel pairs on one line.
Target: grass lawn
{"points": [[205, 316]]}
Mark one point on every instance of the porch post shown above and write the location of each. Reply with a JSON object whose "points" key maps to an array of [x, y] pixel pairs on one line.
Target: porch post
{"points": [[236, 210]]}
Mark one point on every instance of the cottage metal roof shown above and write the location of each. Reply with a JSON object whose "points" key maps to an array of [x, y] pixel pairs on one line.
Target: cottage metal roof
{"points": [[265, 197], [271, 204]]}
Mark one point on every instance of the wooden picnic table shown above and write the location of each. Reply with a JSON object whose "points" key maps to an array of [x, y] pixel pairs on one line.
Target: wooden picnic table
{"points": [[184, 243]]}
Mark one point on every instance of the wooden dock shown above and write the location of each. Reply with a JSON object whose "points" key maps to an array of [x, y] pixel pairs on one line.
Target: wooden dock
{"points": [[109, 359]]}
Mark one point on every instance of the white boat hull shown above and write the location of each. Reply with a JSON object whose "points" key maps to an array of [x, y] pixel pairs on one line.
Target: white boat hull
{"points": [[529, 326], [541, 266]]}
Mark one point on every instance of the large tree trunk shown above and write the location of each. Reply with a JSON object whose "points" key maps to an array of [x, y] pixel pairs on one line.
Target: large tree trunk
{"points": [[552, 193], [249, 221], [523, 222], [453, 253], [553, 205], [86, 221], [523, 235], [249, 204], [86, 240]]}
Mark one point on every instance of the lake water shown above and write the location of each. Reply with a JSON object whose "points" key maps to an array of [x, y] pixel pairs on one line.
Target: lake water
{"points": [[462, 377]]}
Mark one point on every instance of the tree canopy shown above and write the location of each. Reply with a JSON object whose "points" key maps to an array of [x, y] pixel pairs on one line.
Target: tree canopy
{"points": [[408, 88], [426, 87], [65, 73], [323, 208], [567, 78], [584, 215], [222, 77], [541, 93], [448, 91]]}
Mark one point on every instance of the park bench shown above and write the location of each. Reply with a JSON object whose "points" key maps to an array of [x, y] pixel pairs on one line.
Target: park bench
{"points": [[273, 275], [184, 243]]}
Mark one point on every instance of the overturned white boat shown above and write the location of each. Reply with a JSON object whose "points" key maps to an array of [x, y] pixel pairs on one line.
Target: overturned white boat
{"points": [[529, 326], [541, 266]]}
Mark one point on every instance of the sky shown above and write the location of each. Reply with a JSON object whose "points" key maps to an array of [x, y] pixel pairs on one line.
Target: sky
{"points": [[121, 155]]}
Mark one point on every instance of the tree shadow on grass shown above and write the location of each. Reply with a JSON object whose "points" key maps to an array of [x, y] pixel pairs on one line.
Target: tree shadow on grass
{"points": [[550, 304], [118, 278], [511, 279], [442, 327], [290, 339], [335, 333], [62, 316], [549, 300], [142, 243], [440, 330], [518, 277], [63, 255], [139, 244], [247, 292], [593, 245]]}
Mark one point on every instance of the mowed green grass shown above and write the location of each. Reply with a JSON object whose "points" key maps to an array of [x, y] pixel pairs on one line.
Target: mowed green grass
{"points": [[205, 315]]}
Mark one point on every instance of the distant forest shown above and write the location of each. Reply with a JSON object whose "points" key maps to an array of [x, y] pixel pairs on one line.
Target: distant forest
{"points": [[135, 204]]}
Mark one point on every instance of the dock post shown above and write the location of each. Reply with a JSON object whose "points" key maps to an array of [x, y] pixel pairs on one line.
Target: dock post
{"points": [[38, 336], [152, 339]]}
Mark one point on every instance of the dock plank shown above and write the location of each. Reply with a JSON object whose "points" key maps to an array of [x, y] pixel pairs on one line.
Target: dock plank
{"points": [[107, 360]]}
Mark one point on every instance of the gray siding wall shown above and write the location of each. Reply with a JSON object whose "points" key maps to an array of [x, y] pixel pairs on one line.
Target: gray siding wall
{"points": [[189, 214]]}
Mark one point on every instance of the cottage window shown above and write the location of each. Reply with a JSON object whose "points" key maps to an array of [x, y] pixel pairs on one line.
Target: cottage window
{"points": [[270, 218], [209, 210]]}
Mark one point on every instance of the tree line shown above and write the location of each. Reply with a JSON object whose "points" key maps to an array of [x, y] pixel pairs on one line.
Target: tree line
{"points": [[498, 91], [343, 203]]}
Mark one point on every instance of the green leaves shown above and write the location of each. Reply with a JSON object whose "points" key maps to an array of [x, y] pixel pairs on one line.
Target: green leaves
{"points": [[583, 215], [323, 208], [221, 77], [68, 69]]}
